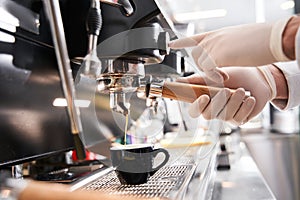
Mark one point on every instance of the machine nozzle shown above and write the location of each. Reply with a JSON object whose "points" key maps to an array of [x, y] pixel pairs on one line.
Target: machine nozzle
{"points": [[119, 103]]}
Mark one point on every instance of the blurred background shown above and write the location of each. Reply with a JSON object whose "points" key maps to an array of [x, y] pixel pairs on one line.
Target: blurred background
{"points": [[275, 151], [213, 14]]}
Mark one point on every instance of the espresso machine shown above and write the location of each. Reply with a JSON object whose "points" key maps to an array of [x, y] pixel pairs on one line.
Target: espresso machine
{"points": [[84, 50]]}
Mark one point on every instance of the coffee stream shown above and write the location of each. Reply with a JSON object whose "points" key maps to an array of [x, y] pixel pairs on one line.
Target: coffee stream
{"points": [[126, 127]]}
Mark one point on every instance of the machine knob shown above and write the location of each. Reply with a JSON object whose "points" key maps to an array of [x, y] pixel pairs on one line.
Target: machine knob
{"points": [[162, 43]]}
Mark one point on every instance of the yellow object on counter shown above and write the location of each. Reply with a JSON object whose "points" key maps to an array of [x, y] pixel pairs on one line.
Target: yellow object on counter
{"points": [[181, 142]]}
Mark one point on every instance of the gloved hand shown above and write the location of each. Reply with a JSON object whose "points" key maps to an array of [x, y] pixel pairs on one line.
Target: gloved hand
{"points": [[244, 45], [236, 107]]}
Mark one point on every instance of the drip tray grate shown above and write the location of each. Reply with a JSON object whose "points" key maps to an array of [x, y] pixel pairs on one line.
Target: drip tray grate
{"points": [[165, 181]]}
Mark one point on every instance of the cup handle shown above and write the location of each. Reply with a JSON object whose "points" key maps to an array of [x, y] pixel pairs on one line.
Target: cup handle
{"points": [[167, 156]]}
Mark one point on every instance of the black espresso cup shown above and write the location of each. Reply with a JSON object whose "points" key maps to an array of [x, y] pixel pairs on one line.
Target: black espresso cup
{"points": [[133, 163]]}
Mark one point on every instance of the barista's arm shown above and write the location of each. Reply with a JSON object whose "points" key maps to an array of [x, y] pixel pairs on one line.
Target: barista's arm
{"points": [[288, 37], [287, 78], [281, 83]]}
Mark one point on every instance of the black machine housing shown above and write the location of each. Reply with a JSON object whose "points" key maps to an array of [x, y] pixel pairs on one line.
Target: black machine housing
{"points": [[31, 127]]}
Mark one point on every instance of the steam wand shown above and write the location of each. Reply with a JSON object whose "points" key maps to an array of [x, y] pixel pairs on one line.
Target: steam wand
{"points": [[91, 64], [53, 10]]}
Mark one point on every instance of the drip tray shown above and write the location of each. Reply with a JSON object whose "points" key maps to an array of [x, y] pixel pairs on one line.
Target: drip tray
{"points": [[168, 182]]}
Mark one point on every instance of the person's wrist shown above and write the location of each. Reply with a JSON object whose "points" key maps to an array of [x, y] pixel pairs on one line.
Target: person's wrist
{"points": [[280, 81], [288, 37]]}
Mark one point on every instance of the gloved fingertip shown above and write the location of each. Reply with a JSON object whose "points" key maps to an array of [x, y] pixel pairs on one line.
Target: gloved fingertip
{"points": [[250, 102], [197, 107], [173, 44], [235, 123], [177, 44], [183, 42], [193, 112], [170, 44]]}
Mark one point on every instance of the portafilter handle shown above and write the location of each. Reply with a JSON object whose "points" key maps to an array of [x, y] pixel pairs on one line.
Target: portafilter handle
{"points": [[180, 91]]}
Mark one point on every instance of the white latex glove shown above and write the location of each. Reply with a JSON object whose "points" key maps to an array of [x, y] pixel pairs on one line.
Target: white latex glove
{"points": [[236, 107], [244, 45]]}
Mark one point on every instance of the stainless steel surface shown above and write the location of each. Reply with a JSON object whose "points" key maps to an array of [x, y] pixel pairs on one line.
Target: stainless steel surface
{"points": [[121, 79], [118, 103], [125, 4], [90, 179], [187, 175], [92, 43], [91, 63], [278, 158], [120, 76], [163, 183], [201, 185], [243, 180], [57, 30]]}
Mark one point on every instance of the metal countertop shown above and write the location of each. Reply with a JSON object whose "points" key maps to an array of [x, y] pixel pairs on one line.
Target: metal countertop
{"points": [[243, 180], [278, 157]]}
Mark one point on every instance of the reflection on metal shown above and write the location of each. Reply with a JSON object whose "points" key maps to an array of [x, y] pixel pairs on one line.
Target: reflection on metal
{"points": [[62, 102], [125, 5], [228, 184], [16, 15], [4, 37], [8, 21], [278, 158], [243, 180]]}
